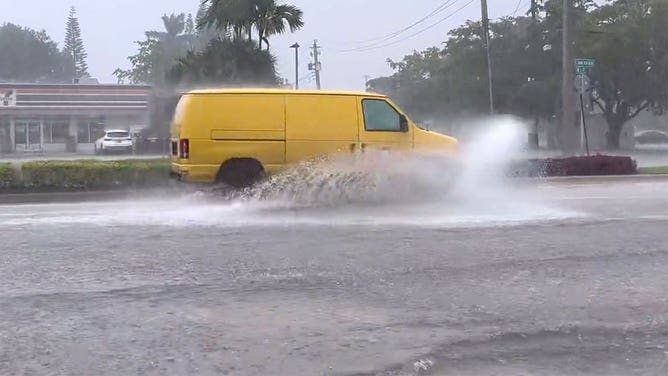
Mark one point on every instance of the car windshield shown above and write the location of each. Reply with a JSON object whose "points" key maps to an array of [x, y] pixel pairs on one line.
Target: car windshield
{"points": [[118, 134]]}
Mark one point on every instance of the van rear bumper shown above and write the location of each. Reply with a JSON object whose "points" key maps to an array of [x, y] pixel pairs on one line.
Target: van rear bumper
{"points": [[194, 173]]}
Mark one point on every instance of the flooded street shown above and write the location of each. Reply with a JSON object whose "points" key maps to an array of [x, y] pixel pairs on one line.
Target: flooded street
{"points": [[559, 278]]}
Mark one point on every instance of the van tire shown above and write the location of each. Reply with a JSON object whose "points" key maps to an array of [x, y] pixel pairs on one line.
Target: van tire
{"points": [[240, 173]]}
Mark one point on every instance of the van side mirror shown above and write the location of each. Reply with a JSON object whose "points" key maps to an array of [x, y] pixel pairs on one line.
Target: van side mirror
{"points": [[403, 123]]}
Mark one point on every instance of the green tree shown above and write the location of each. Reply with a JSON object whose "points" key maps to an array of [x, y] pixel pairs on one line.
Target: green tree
{"points": [[226, 62], [629, 41], [161, 49], [271, 18], [453, 80], [241, 17], [74, 47], [233, 16], [31, 56]]}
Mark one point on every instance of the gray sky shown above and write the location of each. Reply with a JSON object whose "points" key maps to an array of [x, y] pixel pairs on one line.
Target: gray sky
{"points": [[109, 29]]}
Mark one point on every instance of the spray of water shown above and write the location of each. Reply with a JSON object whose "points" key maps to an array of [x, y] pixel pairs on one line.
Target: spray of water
{"points": [[385, 187], [382, 178], [367, 188]]}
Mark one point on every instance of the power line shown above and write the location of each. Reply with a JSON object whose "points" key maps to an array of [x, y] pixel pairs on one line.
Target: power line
{"points": [[517, 8], [440, 9], [364, 49], [304, 77]]}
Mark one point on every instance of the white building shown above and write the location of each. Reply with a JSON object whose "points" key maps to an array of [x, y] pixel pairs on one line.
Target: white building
{"points": [[59, 118]]}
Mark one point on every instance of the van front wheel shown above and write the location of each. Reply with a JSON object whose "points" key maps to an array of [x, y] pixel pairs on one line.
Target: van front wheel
{"points": [[240, 172]]}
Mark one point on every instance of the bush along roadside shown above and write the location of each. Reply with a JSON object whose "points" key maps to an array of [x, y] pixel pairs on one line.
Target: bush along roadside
{"points": [[595, 165], [83, 175], [9, 176], [659, 170]]}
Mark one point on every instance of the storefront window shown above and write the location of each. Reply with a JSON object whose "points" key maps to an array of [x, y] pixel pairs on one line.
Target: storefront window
{"points": [[56, 130], [28, 133], [4, 127], [5, 135], [90, 130], [21, 131]]}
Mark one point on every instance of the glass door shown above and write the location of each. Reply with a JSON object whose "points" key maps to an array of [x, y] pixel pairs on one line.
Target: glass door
{"points": [[34, 136], [28, 135]]}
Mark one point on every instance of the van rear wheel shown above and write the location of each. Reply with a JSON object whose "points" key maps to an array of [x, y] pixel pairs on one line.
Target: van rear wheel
{"points": [[240, 173]]}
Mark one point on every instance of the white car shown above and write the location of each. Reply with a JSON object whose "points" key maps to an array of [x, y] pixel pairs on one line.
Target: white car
{"points": [[114, 141]]}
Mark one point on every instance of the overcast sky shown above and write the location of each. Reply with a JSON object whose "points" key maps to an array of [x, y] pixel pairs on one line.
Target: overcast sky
{"points": [[109, 29]]}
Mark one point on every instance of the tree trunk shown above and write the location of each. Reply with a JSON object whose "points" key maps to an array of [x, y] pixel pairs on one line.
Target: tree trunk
{"points": [[614, 132], [616, 122]]}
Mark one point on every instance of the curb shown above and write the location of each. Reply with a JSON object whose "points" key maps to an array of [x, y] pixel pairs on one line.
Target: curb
{"points": [[74, 197], [600, 178]]}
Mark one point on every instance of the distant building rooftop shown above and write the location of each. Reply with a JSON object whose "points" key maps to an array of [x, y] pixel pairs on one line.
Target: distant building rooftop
{"points": [[32, 97]]}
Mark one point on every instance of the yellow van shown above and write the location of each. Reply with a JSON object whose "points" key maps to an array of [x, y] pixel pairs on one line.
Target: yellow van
{"points": [[237, 136]]}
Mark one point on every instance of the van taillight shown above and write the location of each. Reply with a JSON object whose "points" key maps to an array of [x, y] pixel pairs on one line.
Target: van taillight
{"points": [[184, 149]]}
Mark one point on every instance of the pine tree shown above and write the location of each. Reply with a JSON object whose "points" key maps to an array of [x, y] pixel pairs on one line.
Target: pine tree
{"points": [[74, 46]]}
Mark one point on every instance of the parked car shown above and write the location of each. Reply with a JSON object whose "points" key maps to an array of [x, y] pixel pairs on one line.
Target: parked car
{"points": [[114, 141], [651, 137]]}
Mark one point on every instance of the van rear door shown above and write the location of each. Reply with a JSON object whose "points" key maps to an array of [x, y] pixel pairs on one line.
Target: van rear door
{"points": [[380, 126]]}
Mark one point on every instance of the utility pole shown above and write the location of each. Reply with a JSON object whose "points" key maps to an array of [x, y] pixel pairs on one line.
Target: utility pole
{"points": [[535, 41], [568, 78], [296, 47], [485, 30], [366, 81], [316, 65]]}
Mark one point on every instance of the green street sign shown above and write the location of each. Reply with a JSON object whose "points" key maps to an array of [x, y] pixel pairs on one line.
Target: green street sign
{"points": [[583, 66]]}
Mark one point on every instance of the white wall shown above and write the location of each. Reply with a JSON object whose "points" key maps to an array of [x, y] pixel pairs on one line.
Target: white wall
{"points": [[124, 122]]}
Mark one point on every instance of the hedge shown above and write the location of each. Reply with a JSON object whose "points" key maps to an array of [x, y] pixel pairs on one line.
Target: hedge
{"points": [[9, 176], [82, 175], [659, 170], [595, 165]]}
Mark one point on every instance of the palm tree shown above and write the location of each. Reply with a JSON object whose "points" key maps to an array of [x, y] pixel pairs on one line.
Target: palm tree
{"points": [[242, 16], [228, 15], [173, 39], [271, 19], [226, 62]]}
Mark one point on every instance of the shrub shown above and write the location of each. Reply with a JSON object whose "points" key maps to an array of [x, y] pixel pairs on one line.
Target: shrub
{"points": [[594, 165], [89, 175], [660, 170], [9, 176]]}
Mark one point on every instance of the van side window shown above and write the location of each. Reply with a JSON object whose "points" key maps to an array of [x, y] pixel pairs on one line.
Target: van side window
{"points": [[380, 116]]}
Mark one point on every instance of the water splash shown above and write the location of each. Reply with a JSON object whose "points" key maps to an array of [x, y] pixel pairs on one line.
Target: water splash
{"points": [[381, 178], [377, 188]]}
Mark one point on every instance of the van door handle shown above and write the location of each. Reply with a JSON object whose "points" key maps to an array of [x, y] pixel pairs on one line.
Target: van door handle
{"points": [[363, 146], [352, 147]]}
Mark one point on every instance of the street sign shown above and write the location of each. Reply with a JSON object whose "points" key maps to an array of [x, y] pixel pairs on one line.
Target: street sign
{"points": [[583, 65]]}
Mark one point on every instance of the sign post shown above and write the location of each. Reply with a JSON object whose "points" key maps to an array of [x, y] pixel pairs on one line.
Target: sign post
{"points": [[582, 67]]}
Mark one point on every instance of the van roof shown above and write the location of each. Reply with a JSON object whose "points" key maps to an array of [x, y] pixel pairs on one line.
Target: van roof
{"points": [[285, 91]]}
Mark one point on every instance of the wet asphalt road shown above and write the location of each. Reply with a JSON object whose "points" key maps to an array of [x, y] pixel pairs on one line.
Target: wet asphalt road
{"points": [[565, 278]]}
